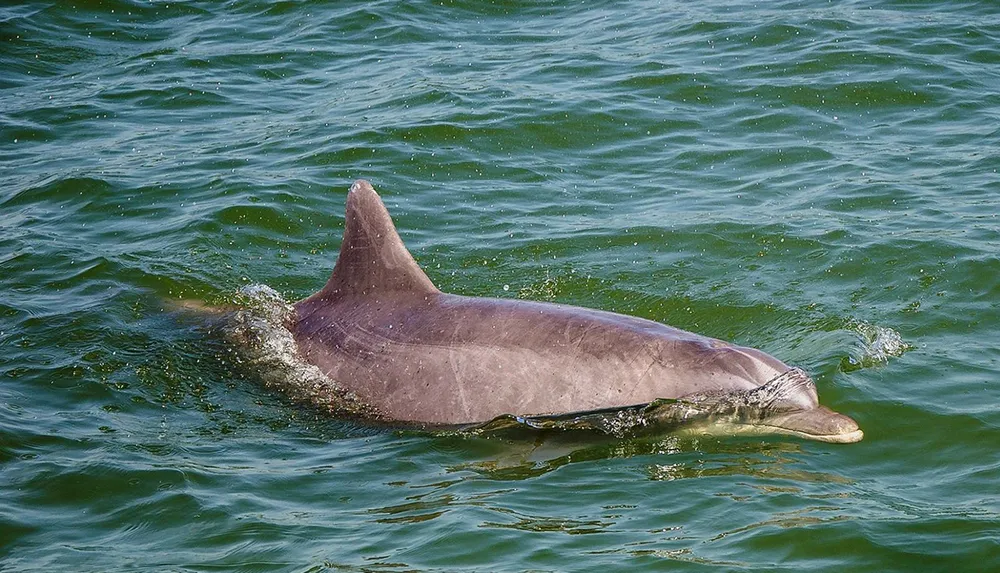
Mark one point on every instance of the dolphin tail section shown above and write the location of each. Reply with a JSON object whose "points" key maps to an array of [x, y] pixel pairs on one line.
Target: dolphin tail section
{"points": [[372, 256]]}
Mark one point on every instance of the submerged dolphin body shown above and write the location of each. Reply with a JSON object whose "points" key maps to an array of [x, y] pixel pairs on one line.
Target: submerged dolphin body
{"points": [[382, 333]]}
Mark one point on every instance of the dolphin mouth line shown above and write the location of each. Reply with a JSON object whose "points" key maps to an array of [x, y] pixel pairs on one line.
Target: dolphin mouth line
{"points": [[758, 429], [636, 420], [839, 438]]}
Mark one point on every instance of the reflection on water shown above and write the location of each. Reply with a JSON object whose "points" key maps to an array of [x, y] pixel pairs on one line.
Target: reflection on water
{"points": [[790, 519], [414, 511], [760, 475], [669, 458], [767, 462], [684, 554], [726, 457], [526, 522]]}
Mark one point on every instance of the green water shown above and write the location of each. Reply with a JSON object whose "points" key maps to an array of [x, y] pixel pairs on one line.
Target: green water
{"points": [[810, 178]]}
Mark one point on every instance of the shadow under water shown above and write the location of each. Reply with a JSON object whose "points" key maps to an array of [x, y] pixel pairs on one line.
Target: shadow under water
{"points": [[520, 455]]}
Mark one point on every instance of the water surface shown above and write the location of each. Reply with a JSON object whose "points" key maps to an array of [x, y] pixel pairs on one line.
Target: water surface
{"points": [[818, 180]]}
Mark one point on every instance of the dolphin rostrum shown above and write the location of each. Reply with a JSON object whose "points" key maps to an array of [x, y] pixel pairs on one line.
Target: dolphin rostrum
{"points": [[383, 336]]}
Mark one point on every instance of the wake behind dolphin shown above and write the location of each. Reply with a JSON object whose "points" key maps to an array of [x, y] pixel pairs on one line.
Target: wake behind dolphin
{"points": [[381, 341]]}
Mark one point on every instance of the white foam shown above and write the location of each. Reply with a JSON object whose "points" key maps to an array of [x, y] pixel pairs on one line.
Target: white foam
{"points": [[262, 342], [877, 343]]}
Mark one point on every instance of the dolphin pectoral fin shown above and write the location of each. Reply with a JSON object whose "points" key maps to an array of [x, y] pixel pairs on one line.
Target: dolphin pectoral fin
{"points": [[820, 423]]}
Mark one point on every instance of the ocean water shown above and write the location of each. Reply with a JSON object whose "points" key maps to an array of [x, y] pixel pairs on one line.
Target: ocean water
{"points": [[815, 179]]}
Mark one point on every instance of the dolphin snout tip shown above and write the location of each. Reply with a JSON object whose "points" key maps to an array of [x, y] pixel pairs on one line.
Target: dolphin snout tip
{"points": [[362, 185], [844, 430], [821, 424]]}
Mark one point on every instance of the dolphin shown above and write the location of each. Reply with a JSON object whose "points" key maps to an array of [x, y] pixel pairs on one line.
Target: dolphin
{"points": [[383, 336]]}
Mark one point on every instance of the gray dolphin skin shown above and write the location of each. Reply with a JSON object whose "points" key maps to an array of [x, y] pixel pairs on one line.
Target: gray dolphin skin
{"points": [[383, 332]]}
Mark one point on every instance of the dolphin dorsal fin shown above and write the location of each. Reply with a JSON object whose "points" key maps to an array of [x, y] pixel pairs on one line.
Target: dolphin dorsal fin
{"points": [[372, 256]]}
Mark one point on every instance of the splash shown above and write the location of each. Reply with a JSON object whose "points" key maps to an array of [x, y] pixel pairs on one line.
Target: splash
{"points": [[262, 344], [877, 345]]}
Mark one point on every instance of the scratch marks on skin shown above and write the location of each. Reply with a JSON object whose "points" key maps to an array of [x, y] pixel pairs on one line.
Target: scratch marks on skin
{"points": [[455, 361], [639, 380], [791, 390], [577, 341]]}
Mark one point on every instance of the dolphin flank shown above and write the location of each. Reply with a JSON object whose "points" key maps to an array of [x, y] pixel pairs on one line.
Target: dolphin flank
{"points": [[383, 334]]}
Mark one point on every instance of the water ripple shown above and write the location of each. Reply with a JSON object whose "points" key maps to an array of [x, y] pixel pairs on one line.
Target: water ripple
{"points": [[816, 180]]}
